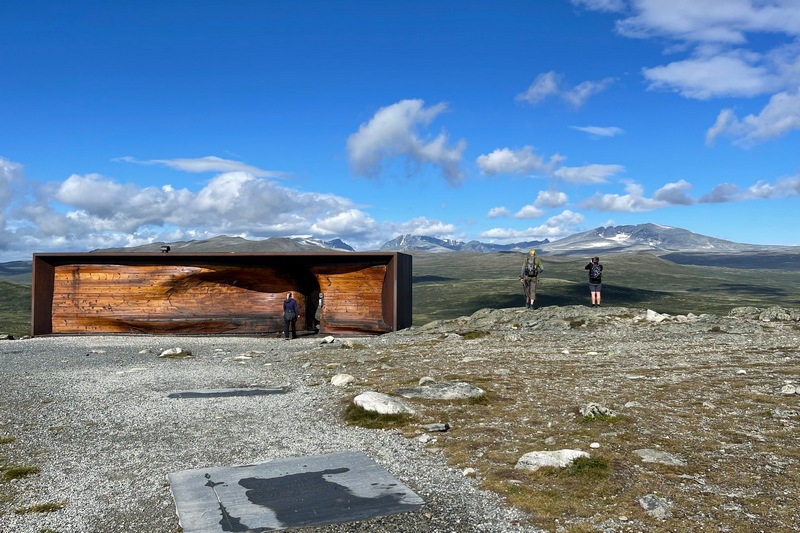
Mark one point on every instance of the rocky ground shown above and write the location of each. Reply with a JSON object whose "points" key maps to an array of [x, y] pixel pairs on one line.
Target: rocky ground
{"points": [[697, 426]]}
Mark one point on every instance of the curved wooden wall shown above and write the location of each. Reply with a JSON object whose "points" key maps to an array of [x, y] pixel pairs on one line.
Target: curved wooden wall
{"points": [[188, 294]]}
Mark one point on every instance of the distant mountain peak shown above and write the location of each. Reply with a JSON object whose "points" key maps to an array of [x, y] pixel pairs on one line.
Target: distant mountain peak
{"points": [[409, 242], [224, 243]]}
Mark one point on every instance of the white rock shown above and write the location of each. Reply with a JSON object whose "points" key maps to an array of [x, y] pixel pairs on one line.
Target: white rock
{"points": [[384, 404], [327, 340], [342, 380], [558, 458], [175, 352]]}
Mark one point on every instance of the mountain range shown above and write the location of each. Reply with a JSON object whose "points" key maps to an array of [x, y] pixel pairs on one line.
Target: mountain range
{"points": [[631, 238]]}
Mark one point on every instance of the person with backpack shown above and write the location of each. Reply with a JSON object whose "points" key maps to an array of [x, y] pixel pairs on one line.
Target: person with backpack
{"points": [[290, 312], [529, 276], [595, 274]]}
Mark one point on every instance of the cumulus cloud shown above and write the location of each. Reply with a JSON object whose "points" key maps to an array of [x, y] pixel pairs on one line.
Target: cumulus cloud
{"points": [[550, 199], [736, 74], [552, 84], [725, 192], [497, 212], [783, 188], [778, 118], [674, 194], [556, 227], [10, 174], [761, 190], [635, 201], [393, 132], [600, 131], [725, 56], [99, 210], [518, 161], [421, 226], [725, 21], [529, 211]]}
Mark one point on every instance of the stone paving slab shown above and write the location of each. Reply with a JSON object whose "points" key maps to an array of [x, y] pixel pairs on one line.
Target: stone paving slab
{"points": [[288, 493]]}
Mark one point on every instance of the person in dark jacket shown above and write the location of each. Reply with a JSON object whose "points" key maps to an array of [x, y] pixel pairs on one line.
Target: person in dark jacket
{"points": [[595, 274], [290, 312]]}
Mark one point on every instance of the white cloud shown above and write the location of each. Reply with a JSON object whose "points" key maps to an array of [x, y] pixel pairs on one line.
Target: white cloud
{"points": [[725, 192], [550, 199], [721, 75], [674, 194], [783, 188], [761, 190], [552, 84], [601, 5], [588, 174], [578, 95], [10, 174], [734, 48], [519, 161], [352, 222], [205, 164], [719, 21], [544, 85], [778, 118], [556, 227], [635, 201], [93, 208], [497, 212], [600, 131], [422, 226], [529, 211], [392, 132]]}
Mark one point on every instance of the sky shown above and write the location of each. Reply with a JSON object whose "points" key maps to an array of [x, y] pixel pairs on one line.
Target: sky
{"points": [[130, 122]]}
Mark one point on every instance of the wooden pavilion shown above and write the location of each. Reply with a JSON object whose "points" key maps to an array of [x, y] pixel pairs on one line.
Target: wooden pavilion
{"points": [[230, 293]]}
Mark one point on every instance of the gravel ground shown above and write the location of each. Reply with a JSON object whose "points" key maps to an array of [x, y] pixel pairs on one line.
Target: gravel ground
{"points": [[92, 413]]}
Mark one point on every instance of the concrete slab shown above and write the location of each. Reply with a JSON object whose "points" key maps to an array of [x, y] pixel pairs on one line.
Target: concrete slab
{"points": [[225, 393], [288, 493]]}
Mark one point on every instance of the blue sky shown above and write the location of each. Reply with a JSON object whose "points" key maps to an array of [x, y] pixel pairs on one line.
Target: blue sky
{"points": [[123, 123]]}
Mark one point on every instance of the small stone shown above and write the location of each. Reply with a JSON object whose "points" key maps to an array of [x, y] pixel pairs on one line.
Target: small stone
{"points": [[342, 380]]}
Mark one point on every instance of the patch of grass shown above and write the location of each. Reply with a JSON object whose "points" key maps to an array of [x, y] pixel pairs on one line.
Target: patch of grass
{"points": [[7, 440], [473, 335], [483, 399], [19, 472], [48, 531], [358, 416], [41, 508], [353, 346], [588, 468], [608, 419]]}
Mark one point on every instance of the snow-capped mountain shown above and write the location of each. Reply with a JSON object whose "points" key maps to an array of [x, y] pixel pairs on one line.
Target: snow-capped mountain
{"points": [[405, 243], [642, 237], [635, 238], [421, 242], [223, 243]]}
